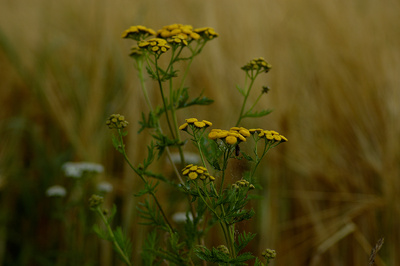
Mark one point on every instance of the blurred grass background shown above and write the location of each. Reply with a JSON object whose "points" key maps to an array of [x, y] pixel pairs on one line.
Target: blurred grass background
{"points": [[330, 193]]}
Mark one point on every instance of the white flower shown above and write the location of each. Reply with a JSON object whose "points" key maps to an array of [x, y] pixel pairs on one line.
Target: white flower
{"points": [[56, 191], [104, 187], [76, 170], [180, 217], [190, 158]]}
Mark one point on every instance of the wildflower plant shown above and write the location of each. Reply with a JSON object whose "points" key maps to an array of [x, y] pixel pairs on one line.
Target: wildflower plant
{"points": [[211, 201]]}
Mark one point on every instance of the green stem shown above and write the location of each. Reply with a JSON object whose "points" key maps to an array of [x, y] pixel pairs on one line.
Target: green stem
{"points": [[254, 104], [142, 84], [163, 99], [113, 239], [253, 78], [144, 180]]}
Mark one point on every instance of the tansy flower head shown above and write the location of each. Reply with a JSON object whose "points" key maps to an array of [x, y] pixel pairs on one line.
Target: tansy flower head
{"points": [[268, 135], [231, 137], [155, 45], [138, 33], [269, 254], [178, 34], [196, 124], [95, 201], [257, 64], [194, 171], [116, 121], [206, 33]]}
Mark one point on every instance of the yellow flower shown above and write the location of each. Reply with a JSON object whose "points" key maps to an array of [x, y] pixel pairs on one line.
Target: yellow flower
{"points": [[178, 34], [231, 140], [184, 126], [156, 45], [206, 33], [257, 63], [193, 175], [191, 120], [138, 33], [116, 121], [245, 132], [241, 138], [222, 134], [193, 172], [213, 135], [208, 123], [199, 124]]}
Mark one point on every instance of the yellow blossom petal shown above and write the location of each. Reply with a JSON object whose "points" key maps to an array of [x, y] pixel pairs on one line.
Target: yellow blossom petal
{"points": [[193, 175], [185, 172], [231, 140], [213, 135], [208, 123], [191, 120], [184, 126], [199, 124]]}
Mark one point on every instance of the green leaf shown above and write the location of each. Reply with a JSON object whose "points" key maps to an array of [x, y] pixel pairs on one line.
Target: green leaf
{"points": [[247, 157], [112, 214], [101, 233], [200, 100], [148, 250], [242, 240], [257, 114], [240, 90], [150, 122], [116, 143], [124, 243]]}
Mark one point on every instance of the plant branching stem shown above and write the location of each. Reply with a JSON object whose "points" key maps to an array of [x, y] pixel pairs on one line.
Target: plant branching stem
{"points": [[113, 239], [144, 180]]}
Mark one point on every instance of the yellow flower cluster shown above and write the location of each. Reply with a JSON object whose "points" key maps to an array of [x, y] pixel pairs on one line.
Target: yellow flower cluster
{"points": [[155, 45], [232, 136], [243, 183], [269, 135], [256, 64], [178, 33], [138, 32], [196, 123], [207, 33], [193, 172], [116, 121]]}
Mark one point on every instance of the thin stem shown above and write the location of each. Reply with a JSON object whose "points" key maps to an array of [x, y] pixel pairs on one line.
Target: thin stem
{"points": [[252, 78], [254, 104], [142, 84], [163, 99], [143, 179], [111, 234]]}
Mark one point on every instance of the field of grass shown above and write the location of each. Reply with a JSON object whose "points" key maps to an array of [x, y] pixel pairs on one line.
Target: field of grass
{"points": [[330, 193]]}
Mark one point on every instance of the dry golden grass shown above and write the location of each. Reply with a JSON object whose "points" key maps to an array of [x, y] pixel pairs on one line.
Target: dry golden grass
{"points": [[332, 189]]}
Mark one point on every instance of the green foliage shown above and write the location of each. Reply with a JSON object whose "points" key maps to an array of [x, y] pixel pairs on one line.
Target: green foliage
{"points": [[217, 256], [199, 100], [151, 215], [242, 240], [257, 114], [149, 258]]}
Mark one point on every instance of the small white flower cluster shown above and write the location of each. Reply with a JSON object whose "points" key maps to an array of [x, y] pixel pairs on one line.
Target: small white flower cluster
{"points": [[76, 170], [56, 191], [104, 187]]}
